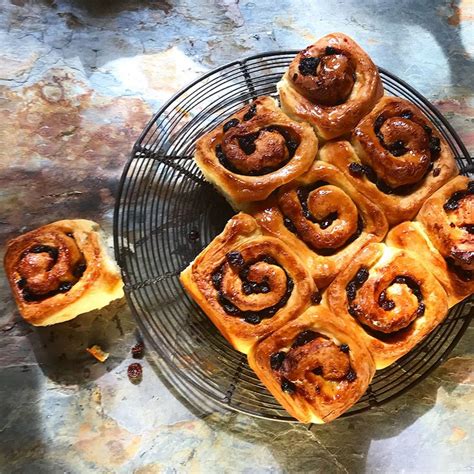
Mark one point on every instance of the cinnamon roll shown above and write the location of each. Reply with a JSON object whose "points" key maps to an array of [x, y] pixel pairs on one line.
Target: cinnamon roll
{"points": [[397, 158], [255, 151], [322, 217], [331, 85], [393, 299], [61, 270], [248, 284], [315, 366], [412, 237]]}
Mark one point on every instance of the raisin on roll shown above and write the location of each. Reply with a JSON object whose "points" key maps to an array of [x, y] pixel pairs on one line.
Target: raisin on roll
{"points": [[247, 283], [255, 151], [394, 300], [324, 219], [61, 270], [315, 366], [331, 85]]}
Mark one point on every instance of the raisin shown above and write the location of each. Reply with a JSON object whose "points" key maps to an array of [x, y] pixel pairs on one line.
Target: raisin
{"points": [[247, 288], [292, 146], [304, 337], [351, 290], [469, 228], [428, 130], [251, 112], [356, 169], [277, 359], [316, 297], [435, 145], [436, 172], [344, 348], [135, 372], [351, 376], [65, 286], [21, 283], [385, 303], [378, 123], [318, 371], [289, 225], [252, 318], [230, 124], [269, 260], [70, 234], [354, 311], [295, 76], [362, 275], [407, 115], [235, 259], [287, 386], [308, 66], [79, 270], [217, 280], [264, 289], [330, 50], [137, 350], [397, 148], [421, 309]]}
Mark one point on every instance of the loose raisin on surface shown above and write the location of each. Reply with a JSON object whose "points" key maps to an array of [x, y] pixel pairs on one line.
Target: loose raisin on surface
{"points": [[138, 350], [135, 372]]}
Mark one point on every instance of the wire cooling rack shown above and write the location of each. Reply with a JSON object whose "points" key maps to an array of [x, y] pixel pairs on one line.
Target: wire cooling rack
{"points": [[166, 213]]}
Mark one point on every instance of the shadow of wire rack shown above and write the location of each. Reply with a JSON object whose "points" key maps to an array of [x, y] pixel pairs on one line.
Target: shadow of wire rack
{"points": [[163, 197]]}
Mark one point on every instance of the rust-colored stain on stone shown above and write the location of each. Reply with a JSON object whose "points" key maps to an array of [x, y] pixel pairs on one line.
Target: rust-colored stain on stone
{"points": [[455, 18], [64, 146]]}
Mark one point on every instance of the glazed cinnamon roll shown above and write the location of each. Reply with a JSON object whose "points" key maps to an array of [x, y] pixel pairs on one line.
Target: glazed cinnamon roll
{"points": [[324, 219], [61, 270], [397, 158], [393, 299], [315, 366], [248, 284], [331, 85], [254, 152], [412, 237]]}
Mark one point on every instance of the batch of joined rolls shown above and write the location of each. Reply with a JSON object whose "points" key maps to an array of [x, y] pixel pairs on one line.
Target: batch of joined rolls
{"points": [[314, 219]]}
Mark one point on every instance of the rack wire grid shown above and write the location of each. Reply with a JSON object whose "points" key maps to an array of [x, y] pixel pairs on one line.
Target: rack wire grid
{"points": [[163, 200]]}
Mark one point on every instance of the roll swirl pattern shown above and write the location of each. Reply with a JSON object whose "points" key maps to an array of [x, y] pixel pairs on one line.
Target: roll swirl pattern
{"points": [[393, 299], [247, 283], [315, 366], [255, 151], [324, 218], [397, 158], [331, 84], [61, 270]]}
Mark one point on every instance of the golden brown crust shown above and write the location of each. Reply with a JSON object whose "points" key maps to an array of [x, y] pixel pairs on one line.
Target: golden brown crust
{"points": [[329, 372], [397, 207], [448, 217], [274, 278], [330, 100], [412, 237], [263, 150], [61, 270], [393, 299], [346, 220]]}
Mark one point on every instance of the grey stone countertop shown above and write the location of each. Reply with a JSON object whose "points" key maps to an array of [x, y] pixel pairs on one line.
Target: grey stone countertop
{"points": [[79, 79]]}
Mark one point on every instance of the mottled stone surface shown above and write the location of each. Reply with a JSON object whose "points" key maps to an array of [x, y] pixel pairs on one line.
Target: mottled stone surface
{"points": [[79, 79]]}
